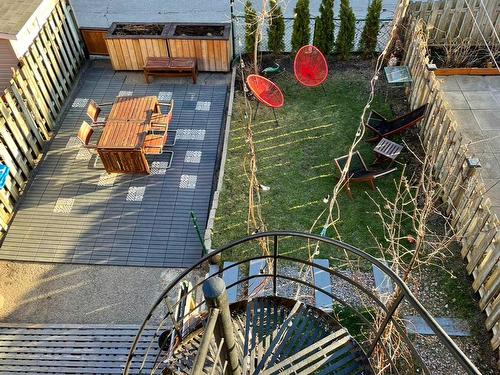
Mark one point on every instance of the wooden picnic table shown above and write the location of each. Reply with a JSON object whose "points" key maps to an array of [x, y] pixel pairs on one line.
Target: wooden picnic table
{"points": [[121, 146]]}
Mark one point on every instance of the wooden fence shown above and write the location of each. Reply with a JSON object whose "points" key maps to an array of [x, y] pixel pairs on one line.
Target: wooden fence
{"points": [[451, 19], [31, 104], [462, 187]]}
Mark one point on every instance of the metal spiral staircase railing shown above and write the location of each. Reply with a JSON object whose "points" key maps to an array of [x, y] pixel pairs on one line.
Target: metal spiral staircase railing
{"points": [[273, 334]]}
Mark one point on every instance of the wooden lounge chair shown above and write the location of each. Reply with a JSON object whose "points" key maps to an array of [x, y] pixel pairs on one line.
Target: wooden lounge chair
{"points": [[384, 128], [84, 135], [157, 135], [358, 172]]}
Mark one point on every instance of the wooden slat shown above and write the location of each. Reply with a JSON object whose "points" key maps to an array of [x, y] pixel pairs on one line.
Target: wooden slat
{"points": [[452, 19], [68, 349], [33, 100]]}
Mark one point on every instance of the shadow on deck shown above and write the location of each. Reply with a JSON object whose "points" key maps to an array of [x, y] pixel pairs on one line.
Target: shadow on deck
{"points": [[74, 212]]}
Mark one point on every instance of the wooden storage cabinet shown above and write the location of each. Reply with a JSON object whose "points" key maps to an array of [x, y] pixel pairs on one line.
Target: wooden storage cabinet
{"points": [[130, 52], [94, 41], [212, 50]]}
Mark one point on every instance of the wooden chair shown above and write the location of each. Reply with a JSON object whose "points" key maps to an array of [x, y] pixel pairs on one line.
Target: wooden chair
{"points": [[93, 112], [358, 171], [384, 128], [84, 135], [157, 137]]}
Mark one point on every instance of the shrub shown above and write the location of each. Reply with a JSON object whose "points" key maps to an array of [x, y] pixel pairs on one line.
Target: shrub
{"points": [[323, 28], [276, 31], [250, 27], [301, 32], [368, 42], [347, 31]]}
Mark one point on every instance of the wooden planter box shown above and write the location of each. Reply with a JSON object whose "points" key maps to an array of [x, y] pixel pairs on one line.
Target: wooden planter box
{"points": [[466, 72], [209, 43], [129, 52]]}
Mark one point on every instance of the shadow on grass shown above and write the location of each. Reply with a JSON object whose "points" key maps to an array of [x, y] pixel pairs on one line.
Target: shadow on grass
{"points": [[295, 160]]}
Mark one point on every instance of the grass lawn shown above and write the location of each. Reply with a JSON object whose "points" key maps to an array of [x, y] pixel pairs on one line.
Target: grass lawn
{"points": [[296, 160]]}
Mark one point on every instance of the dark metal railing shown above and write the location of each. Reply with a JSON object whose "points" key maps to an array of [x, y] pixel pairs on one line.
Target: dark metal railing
{"points": [[375, 339]]}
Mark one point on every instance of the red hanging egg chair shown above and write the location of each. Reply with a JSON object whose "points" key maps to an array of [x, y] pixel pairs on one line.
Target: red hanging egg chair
{"points": [[310, 66], [266, 92]]}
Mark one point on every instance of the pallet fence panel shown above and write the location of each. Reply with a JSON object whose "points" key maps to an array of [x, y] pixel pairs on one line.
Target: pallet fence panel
{"points": [[448, 20], [32, 103], [461, 186]]}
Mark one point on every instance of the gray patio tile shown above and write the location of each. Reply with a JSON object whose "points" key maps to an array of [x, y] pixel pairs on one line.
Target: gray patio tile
{"points": [[490, 166], [468, 123], [472, 83], [479, 99], [494, 83], [449, 83], [493, 139], [488, 119], [496, 96]]}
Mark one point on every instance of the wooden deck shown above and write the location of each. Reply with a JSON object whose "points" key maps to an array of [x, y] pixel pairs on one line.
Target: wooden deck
{"points": [[70, 348], [74, 212]]}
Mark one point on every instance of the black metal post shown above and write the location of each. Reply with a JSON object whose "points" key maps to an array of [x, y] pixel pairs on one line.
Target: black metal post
{"points": [[256, 109], [200, 237], [275, 265], [275, 118], [231, 7]]}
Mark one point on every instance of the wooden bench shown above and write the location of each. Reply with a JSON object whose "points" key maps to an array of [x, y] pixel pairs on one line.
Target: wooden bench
{"points": [[170, 67]]}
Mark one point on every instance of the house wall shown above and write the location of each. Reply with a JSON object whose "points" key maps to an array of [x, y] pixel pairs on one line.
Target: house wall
{"points": [[8, 60], [101, 13]]}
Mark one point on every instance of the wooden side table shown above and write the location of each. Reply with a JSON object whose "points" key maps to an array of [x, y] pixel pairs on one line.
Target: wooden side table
{"points": [[387, 149]]}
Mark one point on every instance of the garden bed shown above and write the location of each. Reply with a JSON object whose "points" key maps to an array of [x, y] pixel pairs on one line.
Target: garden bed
{"points": [[130, 44], [209, 43], [462, 59], [467, 72]]}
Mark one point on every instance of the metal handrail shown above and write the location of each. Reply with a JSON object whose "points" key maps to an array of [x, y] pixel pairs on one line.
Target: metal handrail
{"points": [[404, 291]]}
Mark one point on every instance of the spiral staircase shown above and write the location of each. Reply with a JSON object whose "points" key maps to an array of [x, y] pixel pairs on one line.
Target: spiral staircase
{"points": [[276, 336], [197, 331]]}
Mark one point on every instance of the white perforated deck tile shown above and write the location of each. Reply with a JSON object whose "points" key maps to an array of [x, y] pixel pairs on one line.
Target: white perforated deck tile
{"points": [[106, 179], [192, 157], [136, 193], [64, 205], [164, 96], [190, 134], [160, 167], [73, 142], [80, 103], [203, 106], [125, 93], [188, 181], [83, 154]]}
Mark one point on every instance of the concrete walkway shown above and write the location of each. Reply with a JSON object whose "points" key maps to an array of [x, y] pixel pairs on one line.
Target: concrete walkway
{"points": [[66, 293], [475, 101]]}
